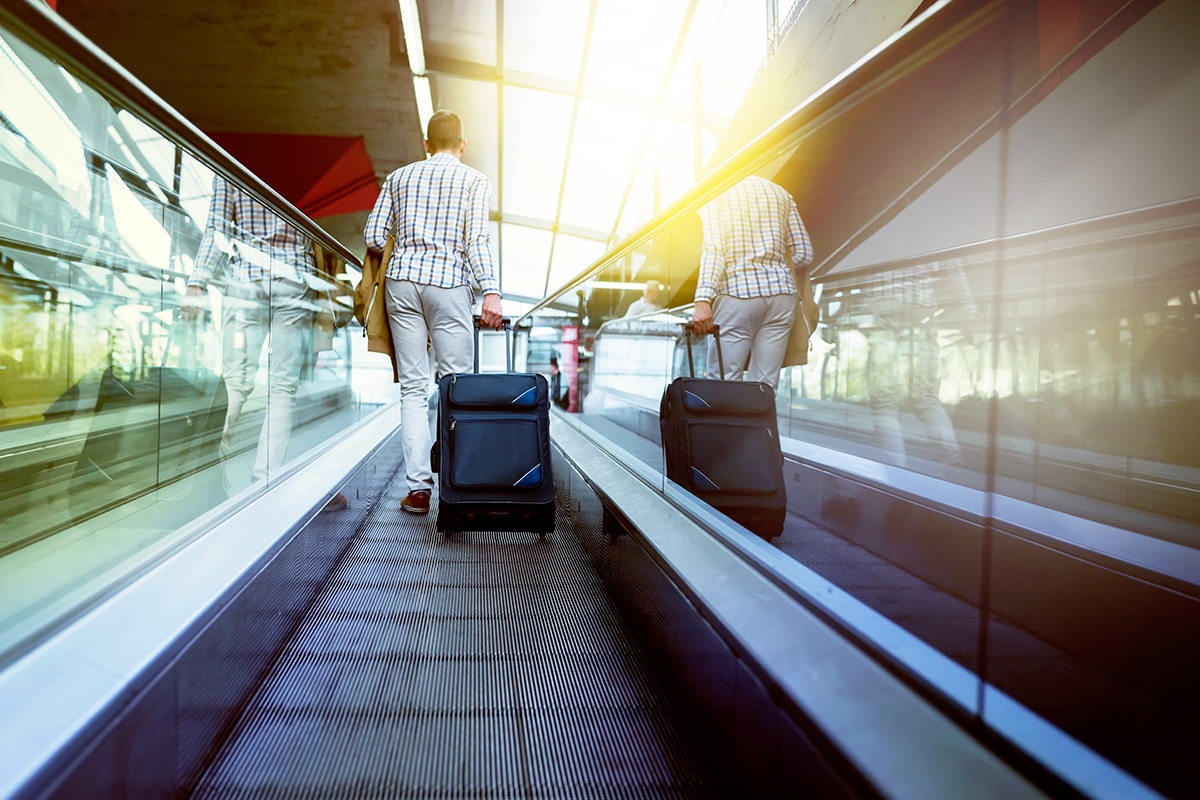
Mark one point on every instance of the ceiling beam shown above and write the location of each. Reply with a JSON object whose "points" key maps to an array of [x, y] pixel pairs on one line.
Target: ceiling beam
{"points": [[500, 143], [540, 224], [576, 98], [439, 66], [659, 103]]}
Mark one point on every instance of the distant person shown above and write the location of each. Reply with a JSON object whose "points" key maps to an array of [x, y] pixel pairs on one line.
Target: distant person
{"points": [[754, 242], [267, 301], [560, 398], [648, 303], [438, 211], [906, 304]]}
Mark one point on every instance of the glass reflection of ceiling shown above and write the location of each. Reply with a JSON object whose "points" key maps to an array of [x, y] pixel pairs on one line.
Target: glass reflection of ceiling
{"points": [[584, 114]]}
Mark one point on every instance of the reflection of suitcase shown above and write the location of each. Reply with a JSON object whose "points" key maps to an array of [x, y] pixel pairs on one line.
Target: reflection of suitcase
{"points": [[149, 433], [492, 453], [721, 442]]}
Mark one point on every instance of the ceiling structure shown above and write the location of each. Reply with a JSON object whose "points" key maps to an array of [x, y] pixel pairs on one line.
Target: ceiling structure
{"points": [[594, 115], [283, 79], [588, 115]]}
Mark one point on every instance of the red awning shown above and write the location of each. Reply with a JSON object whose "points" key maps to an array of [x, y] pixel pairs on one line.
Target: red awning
{"points": [[320, 175]]}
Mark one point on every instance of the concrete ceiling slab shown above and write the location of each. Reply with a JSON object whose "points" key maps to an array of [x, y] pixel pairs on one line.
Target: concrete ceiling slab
{"points": [[297, 67]]}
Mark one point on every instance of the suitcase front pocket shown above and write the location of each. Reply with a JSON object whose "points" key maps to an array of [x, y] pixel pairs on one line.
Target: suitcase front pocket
{"points": [[743, 398], [734, 459], [495, 453], [493, 391]]}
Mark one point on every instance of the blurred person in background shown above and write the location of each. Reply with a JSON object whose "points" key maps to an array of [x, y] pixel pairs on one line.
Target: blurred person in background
{"points": [[648, 303]]}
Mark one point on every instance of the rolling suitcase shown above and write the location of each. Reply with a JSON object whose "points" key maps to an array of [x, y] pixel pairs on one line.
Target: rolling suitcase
{"points": [[721, 443], [492, 452]]}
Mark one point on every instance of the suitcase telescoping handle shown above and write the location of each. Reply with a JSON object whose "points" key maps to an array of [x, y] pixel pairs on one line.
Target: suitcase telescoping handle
{"points": [[689, 331], [506, 326]]}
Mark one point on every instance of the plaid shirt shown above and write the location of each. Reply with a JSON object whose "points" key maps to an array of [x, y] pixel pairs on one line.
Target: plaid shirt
{"points": [[258, 243], [750, 230], [438, 209]]}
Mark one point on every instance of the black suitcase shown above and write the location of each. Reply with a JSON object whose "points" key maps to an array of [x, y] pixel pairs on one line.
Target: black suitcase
{"points": [[492, 452], [721, 443]]}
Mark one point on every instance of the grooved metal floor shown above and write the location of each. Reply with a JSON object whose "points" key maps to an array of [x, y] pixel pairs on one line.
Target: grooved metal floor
{"points": [[482, 665]]}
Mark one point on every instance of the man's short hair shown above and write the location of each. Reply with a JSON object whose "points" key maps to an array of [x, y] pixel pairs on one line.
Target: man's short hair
{"points": [[445, 131]]}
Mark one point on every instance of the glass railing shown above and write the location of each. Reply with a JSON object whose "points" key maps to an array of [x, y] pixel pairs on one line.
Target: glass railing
{"points": [[171, 330], [1005, 212]]}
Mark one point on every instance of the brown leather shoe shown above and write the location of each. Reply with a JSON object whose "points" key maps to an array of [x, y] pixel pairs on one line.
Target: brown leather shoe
{"points": [[416, 502], [337, 503]]}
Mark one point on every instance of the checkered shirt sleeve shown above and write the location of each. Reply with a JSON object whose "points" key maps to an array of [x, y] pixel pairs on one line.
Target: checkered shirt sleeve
{"points": [[438, 209], [750, 232]]}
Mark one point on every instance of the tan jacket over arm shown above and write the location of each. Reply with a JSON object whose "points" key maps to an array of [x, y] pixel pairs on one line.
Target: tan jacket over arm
{"points": [[370, 309]]}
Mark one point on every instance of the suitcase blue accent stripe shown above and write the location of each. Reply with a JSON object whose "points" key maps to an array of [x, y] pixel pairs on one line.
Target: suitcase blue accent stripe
{"points": [[531, 478], [526, 398], [699, 401], [702, 481]]}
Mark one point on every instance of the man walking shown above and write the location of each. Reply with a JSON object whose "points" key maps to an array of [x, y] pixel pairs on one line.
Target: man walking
{"points": [[437, 210], [746, 284], [267, 300]]}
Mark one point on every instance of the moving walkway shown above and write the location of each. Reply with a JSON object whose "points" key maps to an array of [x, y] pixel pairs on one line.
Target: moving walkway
{"points": [[163, 643]]}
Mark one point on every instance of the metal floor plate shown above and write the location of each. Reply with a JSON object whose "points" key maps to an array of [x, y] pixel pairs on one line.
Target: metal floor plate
{"points": [[482, 665]]}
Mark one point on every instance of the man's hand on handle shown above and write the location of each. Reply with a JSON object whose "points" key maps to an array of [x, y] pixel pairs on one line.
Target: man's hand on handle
{"points": [[490, 315], [702, 317]]}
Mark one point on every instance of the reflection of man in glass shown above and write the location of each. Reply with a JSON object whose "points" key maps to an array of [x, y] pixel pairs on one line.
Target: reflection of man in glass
{"points": [[747, 285], [266, 302], [906, 303]]}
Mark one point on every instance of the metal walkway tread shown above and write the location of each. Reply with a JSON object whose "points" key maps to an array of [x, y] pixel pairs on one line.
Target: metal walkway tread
{"points": [[478, 665]]}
